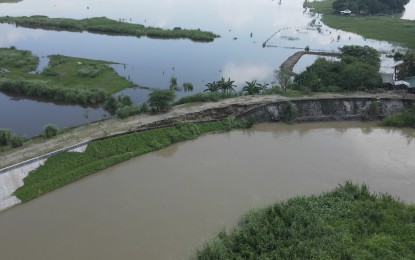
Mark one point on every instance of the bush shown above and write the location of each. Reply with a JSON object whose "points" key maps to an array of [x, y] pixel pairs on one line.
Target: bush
{"points": [[126, 111], [50, 131], [348, 222], [404, 119], [290, 113], [5, 136], [16, 141], [161, 100]]}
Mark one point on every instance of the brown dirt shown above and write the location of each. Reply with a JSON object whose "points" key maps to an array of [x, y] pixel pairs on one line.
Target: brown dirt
{"points": [[116, 126]]}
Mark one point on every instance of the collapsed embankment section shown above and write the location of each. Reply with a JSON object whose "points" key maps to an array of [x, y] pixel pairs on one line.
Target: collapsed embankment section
{"points": [[328, 109]]}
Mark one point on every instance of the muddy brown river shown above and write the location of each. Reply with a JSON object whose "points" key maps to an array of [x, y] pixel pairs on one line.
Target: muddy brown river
{"points": [[165, 204]]}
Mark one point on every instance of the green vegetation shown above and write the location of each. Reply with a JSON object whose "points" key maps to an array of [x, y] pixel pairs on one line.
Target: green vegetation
{"points": [[173, 84], [290, 112], [373, 109], [393, 29], [161, 99], [407, 68], [12, 59], [346, 223], [10, 1], [370, 7], [7, 138], [404, 119], [67, 167], [254, 88], [221, 85], [103, 25], [358, 69], [284, 80], [187, 86], [50, 131], [68, 79]]}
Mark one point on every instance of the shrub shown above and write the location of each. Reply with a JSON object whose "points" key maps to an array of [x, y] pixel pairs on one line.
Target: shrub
{"points": [[16, 141], [290, 112], [50, 131], [160, 100], [5, 136], [126, 111], [187, 86]]}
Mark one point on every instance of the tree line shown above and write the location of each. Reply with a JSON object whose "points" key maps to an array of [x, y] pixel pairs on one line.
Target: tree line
{"points": [[366, 7]]}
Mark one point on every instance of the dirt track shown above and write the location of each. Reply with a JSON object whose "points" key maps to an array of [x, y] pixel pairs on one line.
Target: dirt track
{"points": [[114, 126]]}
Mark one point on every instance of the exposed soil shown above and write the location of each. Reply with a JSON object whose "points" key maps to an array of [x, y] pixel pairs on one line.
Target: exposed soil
{"points": [[189, 112]]}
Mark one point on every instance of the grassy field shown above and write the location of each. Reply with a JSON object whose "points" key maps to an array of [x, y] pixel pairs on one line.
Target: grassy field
{"points": [[393, 29], [69, 79], [347, 223], [67, 167], [108, 26]]}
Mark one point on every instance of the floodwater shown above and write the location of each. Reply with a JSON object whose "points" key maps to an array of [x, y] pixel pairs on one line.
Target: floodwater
{"points": [[165, 204], [284, 25]]}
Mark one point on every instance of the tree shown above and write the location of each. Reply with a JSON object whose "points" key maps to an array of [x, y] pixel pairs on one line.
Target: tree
{"points": [[284, 80], [161, 99]]}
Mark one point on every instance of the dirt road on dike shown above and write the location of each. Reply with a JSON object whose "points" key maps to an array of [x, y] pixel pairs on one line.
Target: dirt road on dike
{"points": [[116, 126]]}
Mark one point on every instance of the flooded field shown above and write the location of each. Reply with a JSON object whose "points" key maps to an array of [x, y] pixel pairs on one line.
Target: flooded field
{"points": [[165, 204], [244, 26]]}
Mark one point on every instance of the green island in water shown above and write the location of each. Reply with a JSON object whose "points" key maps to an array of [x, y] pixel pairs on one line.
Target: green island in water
{"points": [[103, 25], [66, 79]]}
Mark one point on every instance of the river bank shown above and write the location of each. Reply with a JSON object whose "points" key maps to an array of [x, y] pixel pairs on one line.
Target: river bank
{"points": [[323, 107], [115, 126]]}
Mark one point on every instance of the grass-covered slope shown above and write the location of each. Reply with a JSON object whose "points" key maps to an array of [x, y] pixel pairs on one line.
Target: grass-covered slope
{"points": [[108, 26], [346, 223], [67, 167]]}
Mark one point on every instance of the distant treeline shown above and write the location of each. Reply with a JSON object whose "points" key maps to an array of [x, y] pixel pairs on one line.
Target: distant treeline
{"points": [[40, 88], [104, 25], [366, 7]]}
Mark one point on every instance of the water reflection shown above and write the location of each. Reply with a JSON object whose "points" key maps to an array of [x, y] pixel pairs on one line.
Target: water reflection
{"points": [[152, 62]]}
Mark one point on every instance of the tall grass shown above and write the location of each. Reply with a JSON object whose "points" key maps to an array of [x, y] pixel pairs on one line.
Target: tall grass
{"points": [[104, 25], [67, 167], [40, 88], [346, 223], [404, 119], [23, 60]]}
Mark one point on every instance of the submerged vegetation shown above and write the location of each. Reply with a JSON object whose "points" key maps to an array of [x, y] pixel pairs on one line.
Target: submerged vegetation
{"points": [[108, 26], [67, 167], [349, 222], [68, 79]]}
